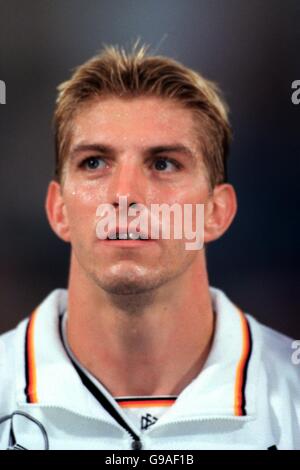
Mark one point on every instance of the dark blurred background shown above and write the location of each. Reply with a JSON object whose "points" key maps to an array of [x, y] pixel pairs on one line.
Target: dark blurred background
{"points": [[252, 49]]}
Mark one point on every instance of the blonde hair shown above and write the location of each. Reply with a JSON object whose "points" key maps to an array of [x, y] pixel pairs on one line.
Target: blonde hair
{"points": [[115, 72]]}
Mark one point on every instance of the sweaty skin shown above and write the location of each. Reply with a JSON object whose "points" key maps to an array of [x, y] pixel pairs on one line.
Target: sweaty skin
{"points": [[140, 317]]}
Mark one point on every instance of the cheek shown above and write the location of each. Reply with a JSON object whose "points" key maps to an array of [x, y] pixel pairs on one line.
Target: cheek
{"points": [[81, 206], [191, 223], [85, 195], [87, 192], [191, 195]]}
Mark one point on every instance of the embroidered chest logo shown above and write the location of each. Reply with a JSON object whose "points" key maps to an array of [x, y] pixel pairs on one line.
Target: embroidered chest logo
{"points": [[147, 421]]}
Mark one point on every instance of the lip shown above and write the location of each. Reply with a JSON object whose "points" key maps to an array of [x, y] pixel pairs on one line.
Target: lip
{"points": [[128, 243], [124, 231]]}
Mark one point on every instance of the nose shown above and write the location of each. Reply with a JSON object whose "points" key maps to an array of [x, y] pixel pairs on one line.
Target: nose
{"points": [[128, 180]]}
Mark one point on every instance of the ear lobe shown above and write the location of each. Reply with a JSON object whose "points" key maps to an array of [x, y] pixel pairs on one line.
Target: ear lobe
{"points": [[56, 211], [219, 212]]}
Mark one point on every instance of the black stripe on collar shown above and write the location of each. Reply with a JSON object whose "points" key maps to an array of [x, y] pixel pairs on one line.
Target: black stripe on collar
{"points": [[96, 392], [245, 372]]}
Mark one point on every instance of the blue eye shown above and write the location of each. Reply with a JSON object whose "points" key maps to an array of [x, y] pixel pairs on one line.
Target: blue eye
{"points": [[163, 164], [93, 163]]}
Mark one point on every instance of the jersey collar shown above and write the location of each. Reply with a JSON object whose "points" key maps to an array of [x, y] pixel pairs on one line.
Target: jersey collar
{"points": [[226, 386]]}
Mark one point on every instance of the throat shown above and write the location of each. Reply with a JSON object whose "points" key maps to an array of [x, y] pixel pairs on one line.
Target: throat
{"points": [[132, 305]]}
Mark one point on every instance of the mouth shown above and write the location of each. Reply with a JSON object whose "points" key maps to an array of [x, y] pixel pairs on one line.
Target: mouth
{"points": [[127, 236], [122, 233], [124, 239]]}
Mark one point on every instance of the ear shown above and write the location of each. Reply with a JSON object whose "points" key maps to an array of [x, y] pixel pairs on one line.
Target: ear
{"points": [[219, 211], [56, 211]]}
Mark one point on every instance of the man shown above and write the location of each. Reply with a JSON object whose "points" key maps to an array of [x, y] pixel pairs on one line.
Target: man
{"points": [[140, 353]]}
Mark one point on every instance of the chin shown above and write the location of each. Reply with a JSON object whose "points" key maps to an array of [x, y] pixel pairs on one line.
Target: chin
{"points": [[126, 287], [129, 282]]}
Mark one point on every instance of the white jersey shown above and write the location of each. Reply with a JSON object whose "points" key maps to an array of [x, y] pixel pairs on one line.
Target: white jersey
{"points": [[247, 396]]}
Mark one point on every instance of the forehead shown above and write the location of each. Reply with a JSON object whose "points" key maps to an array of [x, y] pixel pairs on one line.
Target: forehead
{"points": [[140, 121]]}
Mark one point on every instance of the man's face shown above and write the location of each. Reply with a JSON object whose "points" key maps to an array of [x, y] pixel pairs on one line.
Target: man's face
{"points": [[147, 150]]}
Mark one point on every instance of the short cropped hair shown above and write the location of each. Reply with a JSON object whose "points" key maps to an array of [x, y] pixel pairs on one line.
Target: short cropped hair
{"points": [[117, 73]]}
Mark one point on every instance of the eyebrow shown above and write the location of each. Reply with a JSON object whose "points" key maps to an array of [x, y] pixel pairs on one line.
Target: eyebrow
{"points": [[151, 151], [100, 148], [176, 148]]}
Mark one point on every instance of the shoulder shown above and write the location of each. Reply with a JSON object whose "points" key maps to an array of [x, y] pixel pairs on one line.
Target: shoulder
{"points": [[276, 348], [9, 345], [17, 344], [278, 364]]}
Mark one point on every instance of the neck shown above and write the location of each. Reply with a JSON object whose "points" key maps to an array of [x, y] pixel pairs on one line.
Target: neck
{"points": [[145, 344]]}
